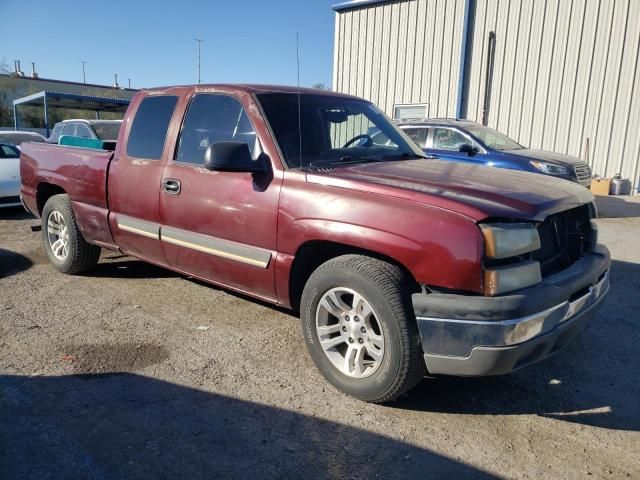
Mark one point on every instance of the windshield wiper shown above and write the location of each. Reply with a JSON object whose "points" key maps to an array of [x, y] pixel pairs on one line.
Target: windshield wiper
{"points": [[350, 160], [346, 160], [404, 156]]}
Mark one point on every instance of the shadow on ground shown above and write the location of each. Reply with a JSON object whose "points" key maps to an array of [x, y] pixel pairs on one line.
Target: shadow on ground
{"points": [[12, 263], [15, 213], [128, 426], [612, 206], [128, 268], [591, 382]]}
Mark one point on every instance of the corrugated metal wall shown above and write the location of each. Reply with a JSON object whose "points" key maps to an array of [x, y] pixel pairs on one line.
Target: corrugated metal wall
{"points": [[565, 71], [401, 52]]}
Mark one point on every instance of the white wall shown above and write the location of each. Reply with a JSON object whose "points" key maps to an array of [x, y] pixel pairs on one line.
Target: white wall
{"points": [[565, 70]]}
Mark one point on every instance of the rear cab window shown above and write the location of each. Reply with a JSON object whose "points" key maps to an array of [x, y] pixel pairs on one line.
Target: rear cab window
{"points": [[150, 124]]}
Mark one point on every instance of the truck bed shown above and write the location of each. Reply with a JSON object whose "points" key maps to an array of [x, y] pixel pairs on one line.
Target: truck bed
{"points": [[79, 172]]}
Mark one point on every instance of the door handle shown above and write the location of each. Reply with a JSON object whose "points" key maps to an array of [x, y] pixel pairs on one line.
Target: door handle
{"points": [[171, 186]]}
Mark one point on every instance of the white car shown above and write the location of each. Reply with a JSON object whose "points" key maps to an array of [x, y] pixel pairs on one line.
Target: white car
{"points": [[17, 137], [9, 175]]}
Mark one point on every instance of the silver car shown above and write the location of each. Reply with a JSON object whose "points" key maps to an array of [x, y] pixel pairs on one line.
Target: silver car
{"points": [[9, 175]]}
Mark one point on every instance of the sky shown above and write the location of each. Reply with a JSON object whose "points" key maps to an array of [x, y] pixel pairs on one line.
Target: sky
{"points": [[151, 42]]}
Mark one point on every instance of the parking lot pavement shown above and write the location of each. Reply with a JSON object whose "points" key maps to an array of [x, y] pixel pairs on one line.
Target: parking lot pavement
{"points": [[108, 375]]}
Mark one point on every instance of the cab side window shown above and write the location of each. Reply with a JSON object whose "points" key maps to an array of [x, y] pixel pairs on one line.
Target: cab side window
{"points": [[213, 118], [150, 124], [448, 139]]}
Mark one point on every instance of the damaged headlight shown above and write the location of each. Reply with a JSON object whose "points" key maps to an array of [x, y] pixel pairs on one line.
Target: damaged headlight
{"points": [[504, 241]]}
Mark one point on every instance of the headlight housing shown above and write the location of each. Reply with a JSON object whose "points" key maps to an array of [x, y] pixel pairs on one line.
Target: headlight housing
{"points": [[504, 243], [504, 240], [550, 168], [512, 277]]}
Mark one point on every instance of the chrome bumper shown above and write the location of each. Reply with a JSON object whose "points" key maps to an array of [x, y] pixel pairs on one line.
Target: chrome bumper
{"points": [[479, 347]]}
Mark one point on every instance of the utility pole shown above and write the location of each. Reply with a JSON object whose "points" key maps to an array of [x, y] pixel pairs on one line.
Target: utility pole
{"points": [[199, 42], [84, 77]]}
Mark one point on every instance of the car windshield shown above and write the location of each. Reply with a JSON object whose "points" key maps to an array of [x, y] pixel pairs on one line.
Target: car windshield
{"points": [[333, 130], [493, 139], [107, 130]]}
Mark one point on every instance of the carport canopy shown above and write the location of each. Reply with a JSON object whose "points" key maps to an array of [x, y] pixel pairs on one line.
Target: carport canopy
{"points": [[49, 99]]}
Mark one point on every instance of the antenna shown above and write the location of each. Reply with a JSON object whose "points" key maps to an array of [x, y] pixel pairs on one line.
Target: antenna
{"points": [[84, 76], [199, 42], [299, 107]]}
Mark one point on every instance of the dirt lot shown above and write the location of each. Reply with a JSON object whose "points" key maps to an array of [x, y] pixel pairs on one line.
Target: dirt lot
{"points": [[108, 376]]}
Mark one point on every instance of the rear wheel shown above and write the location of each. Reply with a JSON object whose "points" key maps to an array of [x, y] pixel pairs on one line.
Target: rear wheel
{"points": [[67, 249], [359, 327]]}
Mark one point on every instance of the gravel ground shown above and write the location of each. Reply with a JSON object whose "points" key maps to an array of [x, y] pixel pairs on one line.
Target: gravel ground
{"points": [[132, 371]]}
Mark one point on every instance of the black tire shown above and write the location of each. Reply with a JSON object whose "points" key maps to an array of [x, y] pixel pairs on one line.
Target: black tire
{"points": [[387, 289], [81, 256]]}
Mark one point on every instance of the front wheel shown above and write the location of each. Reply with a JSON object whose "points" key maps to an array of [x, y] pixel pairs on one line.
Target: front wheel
{"points": [[67, 249], [360, 329]]}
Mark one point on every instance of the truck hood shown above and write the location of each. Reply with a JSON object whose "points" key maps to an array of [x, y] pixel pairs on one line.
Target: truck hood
{"points": [[476, 191], [558, 158]]}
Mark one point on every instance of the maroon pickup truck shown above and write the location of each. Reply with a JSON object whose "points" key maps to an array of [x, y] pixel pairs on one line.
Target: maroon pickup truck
{"points": [[399, 264]]}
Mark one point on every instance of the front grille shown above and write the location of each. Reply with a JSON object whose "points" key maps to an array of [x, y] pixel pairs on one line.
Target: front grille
{"points": [[583, 172], [564, 238], [7, 200]]}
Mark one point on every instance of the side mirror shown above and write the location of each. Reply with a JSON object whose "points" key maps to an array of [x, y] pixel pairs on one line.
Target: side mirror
{"points": [[233, 157], [468, 149]]}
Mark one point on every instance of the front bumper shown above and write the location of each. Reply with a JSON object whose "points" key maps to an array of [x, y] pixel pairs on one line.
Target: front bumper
{"points": [[478, 336]]}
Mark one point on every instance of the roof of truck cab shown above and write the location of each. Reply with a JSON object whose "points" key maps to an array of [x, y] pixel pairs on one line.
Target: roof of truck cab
{"points": [[257, 88]]}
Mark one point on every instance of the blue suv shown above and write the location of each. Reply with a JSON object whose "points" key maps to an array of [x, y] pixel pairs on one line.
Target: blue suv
{"points": [[471, 142]]}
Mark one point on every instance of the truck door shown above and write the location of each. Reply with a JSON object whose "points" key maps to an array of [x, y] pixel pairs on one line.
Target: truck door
{"points": [[135, 177], [219, 225]]}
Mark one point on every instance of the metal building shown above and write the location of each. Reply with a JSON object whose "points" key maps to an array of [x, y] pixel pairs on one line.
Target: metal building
{"points": [[560, 75]]}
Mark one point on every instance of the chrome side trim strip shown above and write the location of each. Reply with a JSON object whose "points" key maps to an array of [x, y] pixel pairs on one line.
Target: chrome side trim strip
{"points": [[460, 336], [216, 246], [139, 227]]}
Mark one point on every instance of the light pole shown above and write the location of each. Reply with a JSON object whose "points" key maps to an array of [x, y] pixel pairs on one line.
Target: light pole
{"points": [[84, 77], [199, 42]]}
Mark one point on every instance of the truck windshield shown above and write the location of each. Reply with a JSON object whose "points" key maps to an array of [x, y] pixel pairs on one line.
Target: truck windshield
{"points": [[107, 130], [493, 139], [331, 130]]}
